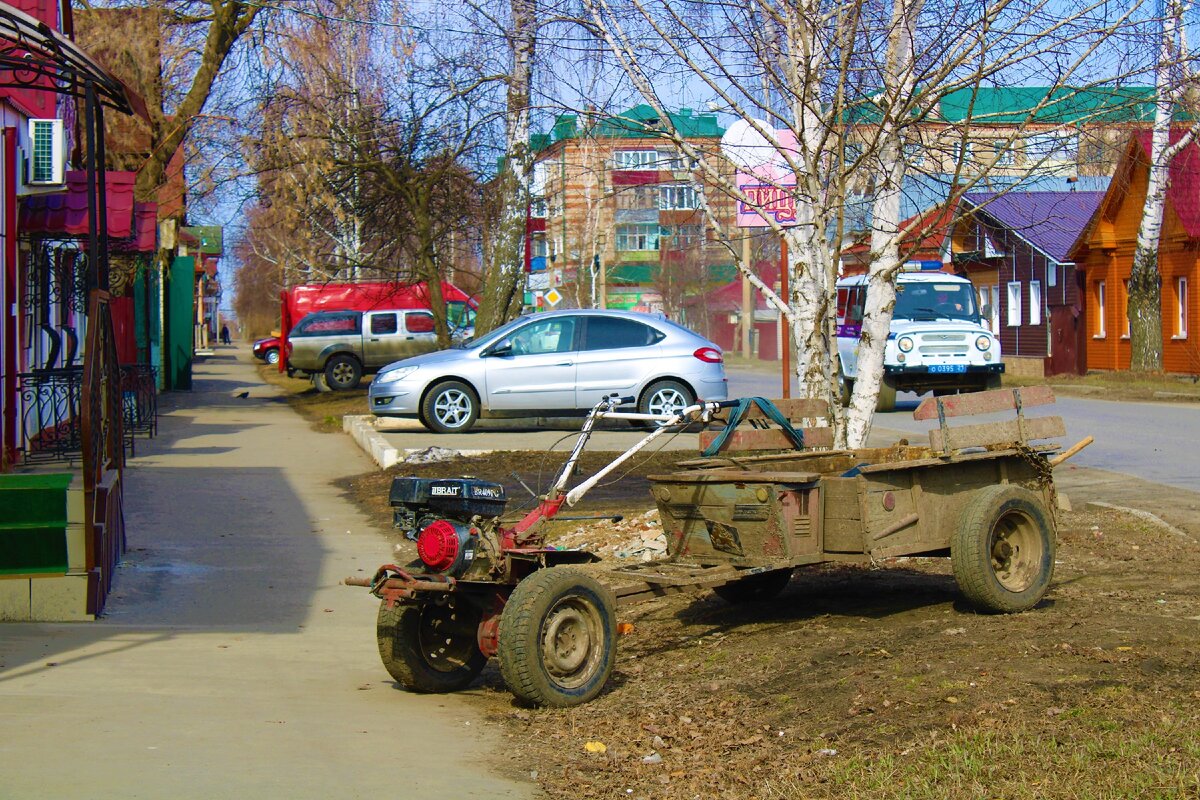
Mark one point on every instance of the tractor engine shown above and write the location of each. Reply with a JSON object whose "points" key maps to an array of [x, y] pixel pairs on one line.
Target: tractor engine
{"points": [[444, 516]]}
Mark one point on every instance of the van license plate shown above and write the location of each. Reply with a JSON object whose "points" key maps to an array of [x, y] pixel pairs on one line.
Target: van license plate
{"points": [[948, 368]]}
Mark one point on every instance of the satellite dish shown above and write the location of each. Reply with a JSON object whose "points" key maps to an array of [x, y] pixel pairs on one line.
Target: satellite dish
{"points": [[748, 148]]}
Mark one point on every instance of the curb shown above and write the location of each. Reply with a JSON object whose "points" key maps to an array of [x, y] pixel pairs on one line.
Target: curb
{"points": [[361, 428], [1145, 516]]}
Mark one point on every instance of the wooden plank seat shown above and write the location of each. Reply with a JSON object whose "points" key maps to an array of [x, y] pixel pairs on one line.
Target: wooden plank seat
{"points": [[756, 431], [1020, 430]]}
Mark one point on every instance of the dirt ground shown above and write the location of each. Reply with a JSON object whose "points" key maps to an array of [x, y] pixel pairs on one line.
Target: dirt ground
{"points": [[874, 683]]}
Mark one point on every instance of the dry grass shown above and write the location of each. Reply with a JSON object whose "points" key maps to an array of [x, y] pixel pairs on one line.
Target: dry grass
{"points": [[323, 409]]}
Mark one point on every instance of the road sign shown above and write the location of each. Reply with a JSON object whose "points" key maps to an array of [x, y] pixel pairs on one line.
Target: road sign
{"points": [[553, 297]]}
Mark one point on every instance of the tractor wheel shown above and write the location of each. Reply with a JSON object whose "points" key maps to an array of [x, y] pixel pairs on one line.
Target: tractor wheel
{"points": [[1003, 550], [558, 638], [430, 647], [755, 588]]}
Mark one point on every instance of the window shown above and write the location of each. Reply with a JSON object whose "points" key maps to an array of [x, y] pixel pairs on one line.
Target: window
{"points": [[1004, 153], [914, 154], [383, 323], [635, 159], [1100, 310], [853, 153], [681, 196], [538, 246], [459, 314], [1014, 304], [1035, 302], [1052, 275], [1053, 146], [677, 162], [850, 307], [681, 236], [419, 322], [1181, 302], [641, 198], [545, 336], [641, 236], [327, 324], [966, 152], [607, 333], [538, 208]]}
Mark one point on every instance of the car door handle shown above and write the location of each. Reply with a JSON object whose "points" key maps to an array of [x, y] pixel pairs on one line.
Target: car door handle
{"points": [[565, 364], [374, 339], [410, 338]]}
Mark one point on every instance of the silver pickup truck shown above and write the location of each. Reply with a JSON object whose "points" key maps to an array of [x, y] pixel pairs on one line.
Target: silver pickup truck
{"points": [[337, 347]]}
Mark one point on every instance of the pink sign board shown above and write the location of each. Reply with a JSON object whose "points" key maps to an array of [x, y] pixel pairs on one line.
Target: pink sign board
{"points": [[768, 186]]}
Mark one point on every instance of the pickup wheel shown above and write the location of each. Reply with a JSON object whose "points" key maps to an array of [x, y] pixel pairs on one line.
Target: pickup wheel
{"points": [[1003, 550], [343, 372], [271, 356], [450, 407], [430, 647], [558, 638], [755, 588], [887, 396]]}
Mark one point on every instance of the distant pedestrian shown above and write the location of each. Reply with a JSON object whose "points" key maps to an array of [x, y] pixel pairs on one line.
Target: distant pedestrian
{"points": [[225, 335]]}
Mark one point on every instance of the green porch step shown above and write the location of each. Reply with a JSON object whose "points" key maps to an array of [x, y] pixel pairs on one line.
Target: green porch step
{"points": [[34, 518]]}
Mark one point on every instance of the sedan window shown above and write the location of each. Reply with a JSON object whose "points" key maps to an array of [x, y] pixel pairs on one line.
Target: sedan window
{"points": [[545, 336], [608, 333]]}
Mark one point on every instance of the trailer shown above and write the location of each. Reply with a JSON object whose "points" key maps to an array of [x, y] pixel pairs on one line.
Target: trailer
{"points": [[768, 497]]}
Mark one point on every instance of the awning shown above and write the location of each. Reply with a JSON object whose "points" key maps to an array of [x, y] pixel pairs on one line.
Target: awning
{"points": [[145, 231], [65, 214], [43, 58]]}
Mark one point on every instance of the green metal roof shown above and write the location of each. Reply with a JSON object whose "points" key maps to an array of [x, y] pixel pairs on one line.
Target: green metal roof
{"points": [[210, 236], [638, 122], [1011, 105]]}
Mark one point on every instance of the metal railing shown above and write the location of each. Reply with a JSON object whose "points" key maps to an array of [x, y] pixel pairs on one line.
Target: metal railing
{"points": [[139, 402], [50, 414]]}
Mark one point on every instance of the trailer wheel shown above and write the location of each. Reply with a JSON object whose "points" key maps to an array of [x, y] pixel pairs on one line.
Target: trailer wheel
{"points": [[558, 638], [755, 588], [430, 647], [343, 372], [887, 396], [1003, 550]]}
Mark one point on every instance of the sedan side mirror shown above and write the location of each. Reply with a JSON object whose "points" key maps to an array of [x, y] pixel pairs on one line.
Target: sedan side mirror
{"points": [[501, 349]]}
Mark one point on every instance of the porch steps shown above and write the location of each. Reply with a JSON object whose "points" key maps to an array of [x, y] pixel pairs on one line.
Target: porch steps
{"points": [[43, 548]]}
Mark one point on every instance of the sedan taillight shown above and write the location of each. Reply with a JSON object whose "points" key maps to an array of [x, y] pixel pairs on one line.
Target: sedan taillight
{"points": [[709, 355]]}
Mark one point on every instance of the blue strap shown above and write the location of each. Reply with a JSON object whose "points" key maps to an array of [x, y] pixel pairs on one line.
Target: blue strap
{"points": [[735, 417]]}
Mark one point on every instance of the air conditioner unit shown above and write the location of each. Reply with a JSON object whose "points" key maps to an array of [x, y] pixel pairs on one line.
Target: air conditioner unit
{"points": [[46, 163]]}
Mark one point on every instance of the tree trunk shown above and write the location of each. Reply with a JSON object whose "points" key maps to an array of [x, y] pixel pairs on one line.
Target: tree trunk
{"points": [[503, 280]]}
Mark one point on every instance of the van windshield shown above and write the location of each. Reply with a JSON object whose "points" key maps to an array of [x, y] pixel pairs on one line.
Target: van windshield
{"points": [[928, 301]]}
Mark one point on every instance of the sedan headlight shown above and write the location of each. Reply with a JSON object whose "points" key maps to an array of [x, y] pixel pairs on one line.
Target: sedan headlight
{"points": [[983, 342], [393, 375], [905, 344]]}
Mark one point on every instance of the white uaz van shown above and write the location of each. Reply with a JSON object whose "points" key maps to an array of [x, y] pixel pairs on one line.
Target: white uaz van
{"points": [[937, 340]]}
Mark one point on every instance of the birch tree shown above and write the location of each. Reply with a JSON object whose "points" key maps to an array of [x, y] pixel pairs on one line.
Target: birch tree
{"points": [[1172, 79], [836, 88]]}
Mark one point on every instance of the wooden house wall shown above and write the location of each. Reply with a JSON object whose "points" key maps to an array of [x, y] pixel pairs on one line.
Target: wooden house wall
{"points": [[1109, 258], [1021, 263]]}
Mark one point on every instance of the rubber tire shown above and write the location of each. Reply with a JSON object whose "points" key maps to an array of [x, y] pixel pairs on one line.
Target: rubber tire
{"points": [[845, 390], [755, 588], [343, 373], [271, 356], [318, 382], [648, 396], [429, 407], [522, 627], [973, 545], [993, 382], [886, 401], [398, 633]]}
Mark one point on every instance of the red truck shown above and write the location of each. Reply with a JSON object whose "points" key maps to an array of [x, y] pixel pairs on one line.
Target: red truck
{"points": [[298, 301]]}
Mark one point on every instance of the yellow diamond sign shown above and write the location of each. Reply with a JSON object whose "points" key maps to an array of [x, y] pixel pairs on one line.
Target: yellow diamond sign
{"points": [[553, 297]]}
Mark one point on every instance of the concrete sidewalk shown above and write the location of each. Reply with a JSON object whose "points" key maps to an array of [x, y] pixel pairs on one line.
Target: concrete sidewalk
{"points": [[230, 662]]}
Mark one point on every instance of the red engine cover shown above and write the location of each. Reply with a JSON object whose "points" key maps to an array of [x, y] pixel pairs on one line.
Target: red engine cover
{"points": [[437, 545]]}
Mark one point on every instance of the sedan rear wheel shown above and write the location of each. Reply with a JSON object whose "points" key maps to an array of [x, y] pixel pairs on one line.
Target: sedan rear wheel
{"points": [[665, 397]]}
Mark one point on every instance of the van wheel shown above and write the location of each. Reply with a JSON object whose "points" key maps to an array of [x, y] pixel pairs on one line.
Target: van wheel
{"points": [[343, 373], [992, 382], [450, 407], [887, 396]]}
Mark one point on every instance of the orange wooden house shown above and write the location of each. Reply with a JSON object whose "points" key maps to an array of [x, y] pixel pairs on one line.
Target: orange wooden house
{"points": [[1104, 258]]}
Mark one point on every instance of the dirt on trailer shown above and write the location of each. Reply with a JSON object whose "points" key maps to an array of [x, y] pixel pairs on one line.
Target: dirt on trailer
{"points": [[872, 682]]}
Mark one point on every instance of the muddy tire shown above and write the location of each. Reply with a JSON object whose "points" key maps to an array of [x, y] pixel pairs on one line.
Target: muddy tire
{"points": [[886, 401], [450, 407], [558, 638], [430, 648], [1003, 550], [318, 381], [756, 588], [343, 373]]}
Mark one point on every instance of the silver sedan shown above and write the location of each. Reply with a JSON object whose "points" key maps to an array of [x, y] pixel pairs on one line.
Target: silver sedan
{"points": [[553, 363]]}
